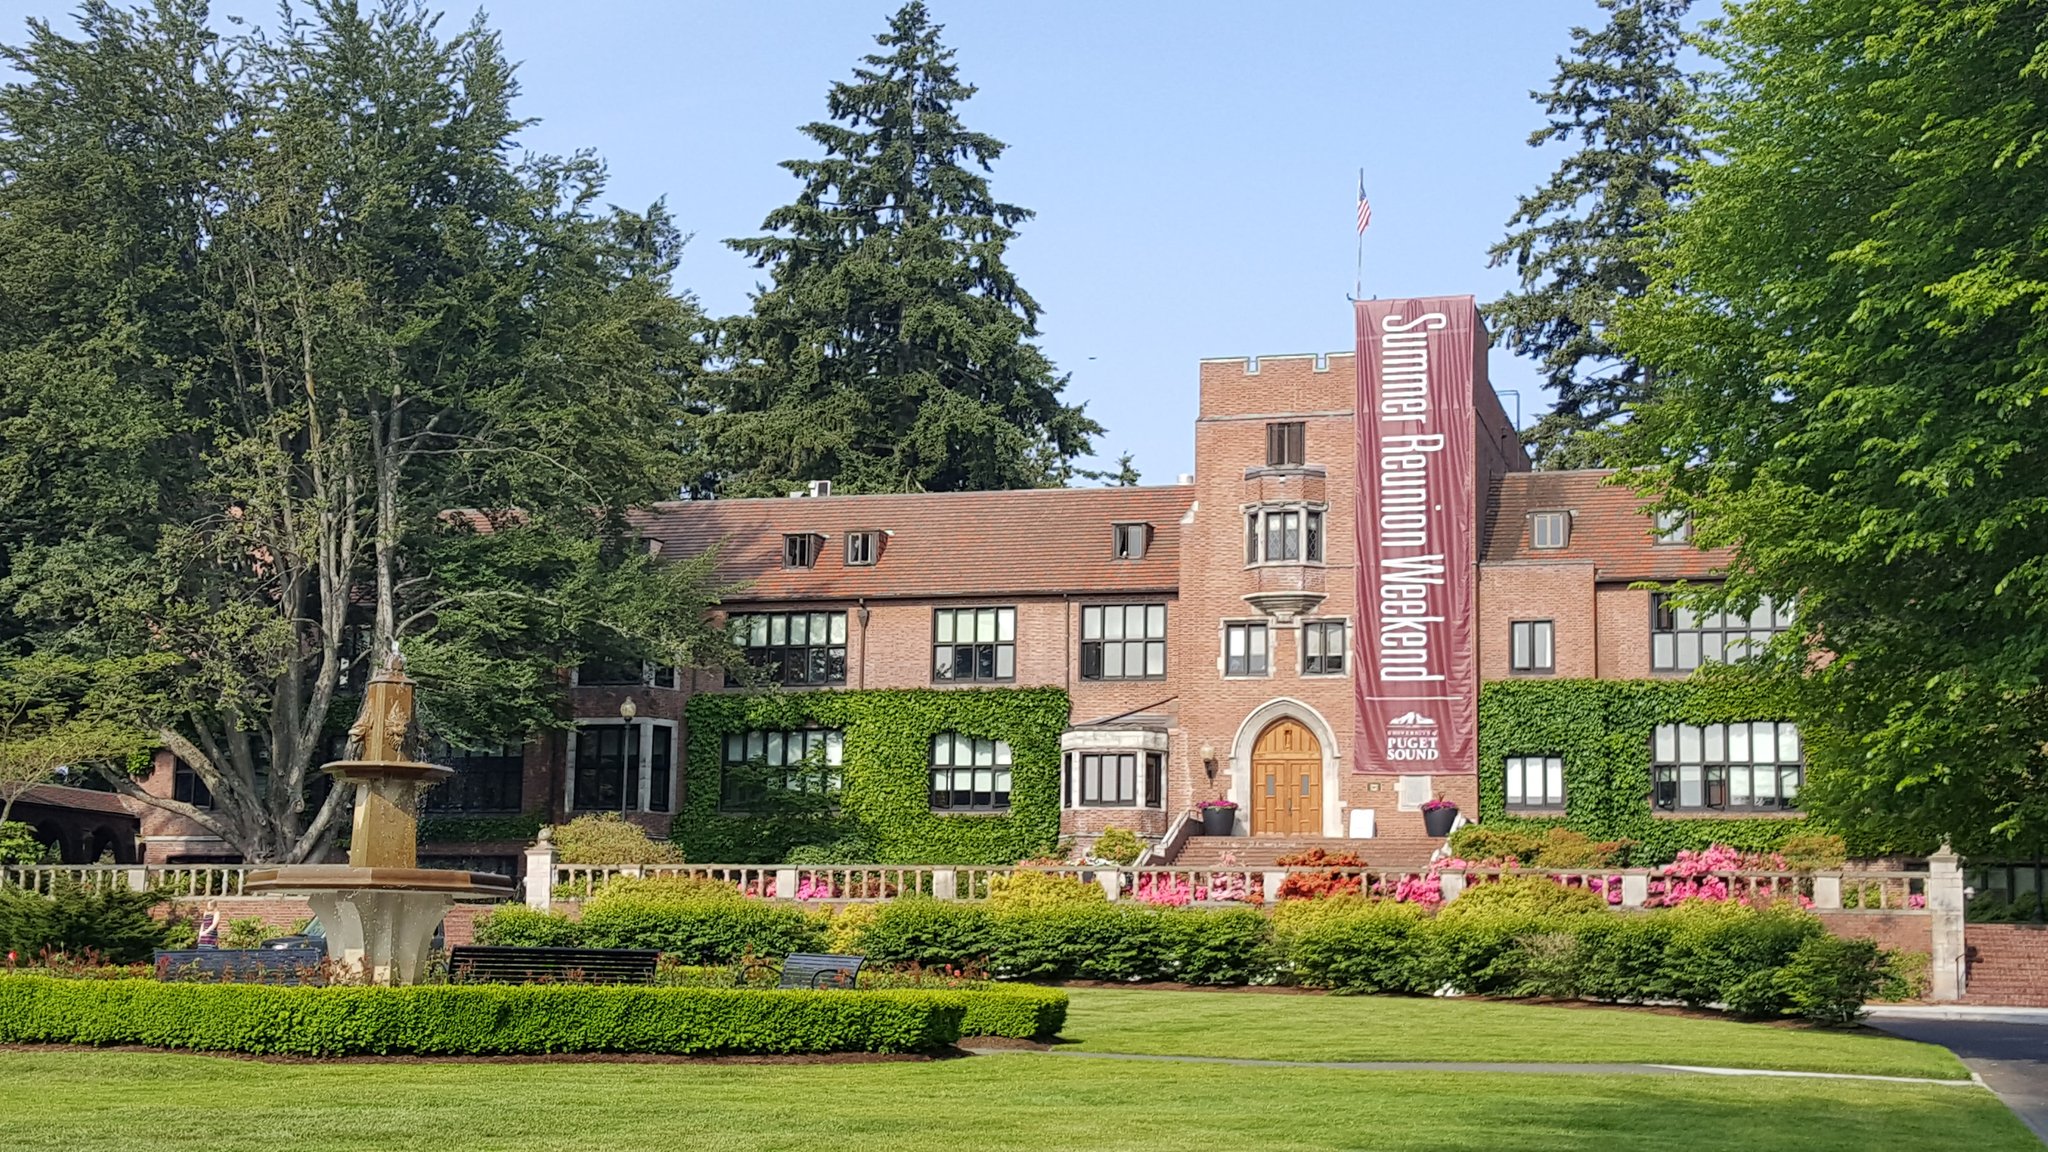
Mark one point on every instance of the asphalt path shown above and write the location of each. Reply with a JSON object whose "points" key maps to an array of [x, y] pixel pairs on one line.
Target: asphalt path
{"points": [[2011, 1058]]}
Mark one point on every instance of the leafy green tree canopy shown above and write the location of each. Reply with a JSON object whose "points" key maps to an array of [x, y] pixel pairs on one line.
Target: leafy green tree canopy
{"points": [[1846, 323], [301, 360], [892, 350], [1620, 95]]}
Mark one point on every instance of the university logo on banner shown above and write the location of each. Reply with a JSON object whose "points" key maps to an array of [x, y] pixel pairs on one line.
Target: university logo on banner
{"points": [[1417, 681]]}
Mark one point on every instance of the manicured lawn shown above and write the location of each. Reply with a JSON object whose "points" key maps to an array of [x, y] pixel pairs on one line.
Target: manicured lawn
{"points": [[1278, 1026], [131, 1102]]}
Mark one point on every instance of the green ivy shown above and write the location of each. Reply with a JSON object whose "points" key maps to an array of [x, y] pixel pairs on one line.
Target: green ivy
{"points": [[1603, 730], [480, 829], [885, 796]]}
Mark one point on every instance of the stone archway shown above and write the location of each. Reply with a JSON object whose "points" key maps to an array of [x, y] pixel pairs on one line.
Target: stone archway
{"points": [[1244, 745]]}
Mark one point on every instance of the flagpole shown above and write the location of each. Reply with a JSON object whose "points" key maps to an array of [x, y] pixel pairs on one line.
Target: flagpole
{"points": [[1358, 275]]}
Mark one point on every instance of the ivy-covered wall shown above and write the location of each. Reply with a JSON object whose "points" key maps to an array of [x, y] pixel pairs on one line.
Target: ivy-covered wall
{"points": [[885, 797], [1603, 731]]}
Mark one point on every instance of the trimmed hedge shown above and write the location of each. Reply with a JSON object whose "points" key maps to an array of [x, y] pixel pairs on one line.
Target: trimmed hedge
{"points": [[484, 1019]]}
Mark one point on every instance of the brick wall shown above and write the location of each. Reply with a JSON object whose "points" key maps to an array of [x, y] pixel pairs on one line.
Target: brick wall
{"points": [[2006, 964], [1901, 931], [1623, 624], [1560, 593]]}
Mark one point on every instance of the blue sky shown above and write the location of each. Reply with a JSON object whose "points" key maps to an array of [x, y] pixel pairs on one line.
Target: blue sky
{"points": [[1193, 166]]}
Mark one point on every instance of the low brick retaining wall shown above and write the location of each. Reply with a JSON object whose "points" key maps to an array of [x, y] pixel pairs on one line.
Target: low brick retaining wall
{"points": [[2007, 964]]}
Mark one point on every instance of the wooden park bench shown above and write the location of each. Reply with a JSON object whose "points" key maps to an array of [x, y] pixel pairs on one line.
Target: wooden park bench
{"points": [[820, 971], [242, 965], [477, 964]]}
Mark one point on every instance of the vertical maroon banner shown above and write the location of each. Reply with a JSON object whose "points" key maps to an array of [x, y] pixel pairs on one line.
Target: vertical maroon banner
{"points": [[1417, 682]]}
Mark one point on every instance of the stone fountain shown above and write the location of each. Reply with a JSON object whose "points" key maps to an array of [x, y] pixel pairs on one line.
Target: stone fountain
{"points": [[381, 908]]}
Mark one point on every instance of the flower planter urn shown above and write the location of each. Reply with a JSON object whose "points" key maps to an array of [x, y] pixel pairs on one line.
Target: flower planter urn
{"points": [[1220, 820], [1437, 821]]}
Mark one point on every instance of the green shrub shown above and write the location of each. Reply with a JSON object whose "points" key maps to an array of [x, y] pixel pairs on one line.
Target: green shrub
{"points": [[1021, 1012], [18, 844], [1218, 945], [927, 932], [1528, 895], [1020, 891], [1118, 845], [1564, 848], [517, 926], [484, 1019], [1621, 957], [609, 838], [246, 932], [649, 890], [1550, 966], [707, 931], [1813, 850], [843, 934], [113, 924], [1478, 842], [1906, 975], [1829, 978], [844, 850], [1724, 952], [1347, 944]]}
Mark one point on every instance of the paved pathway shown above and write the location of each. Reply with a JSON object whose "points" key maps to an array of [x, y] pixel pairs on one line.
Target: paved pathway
{"points": [[1478, 1066], [2009, 1055]]}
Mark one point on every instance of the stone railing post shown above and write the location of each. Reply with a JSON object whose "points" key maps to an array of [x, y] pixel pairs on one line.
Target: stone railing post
{"points": [[945, 884], [1112, 881], [138, 879], [785, 884], [1945, 922], [1453, 885], [540, 872], [1827, 893], [1273, 882], [1635, 889]]}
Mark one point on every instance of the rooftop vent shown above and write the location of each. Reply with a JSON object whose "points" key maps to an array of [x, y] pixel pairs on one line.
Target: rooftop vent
{"points": [[821, 488], [1185, 478]]}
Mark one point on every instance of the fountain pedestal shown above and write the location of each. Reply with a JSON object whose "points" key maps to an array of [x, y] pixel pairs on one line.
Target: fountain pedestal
{"points": [[381, 908]]}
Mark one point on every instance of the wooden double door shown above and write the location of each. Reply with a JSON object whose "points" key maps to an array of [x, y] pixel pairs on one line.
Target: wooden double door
{"points": [[1287, 781]]}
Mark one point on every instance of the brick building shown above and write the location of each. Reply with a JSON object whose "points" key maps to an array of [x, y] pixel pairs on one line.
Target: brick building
{"points": [[1206, 635]]}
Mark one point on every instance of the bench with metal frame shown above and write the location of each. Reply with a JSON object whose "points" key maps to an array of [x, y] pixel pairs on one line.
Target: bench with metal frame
{"points": [[481, 964], [808, 970], [242, 965]]}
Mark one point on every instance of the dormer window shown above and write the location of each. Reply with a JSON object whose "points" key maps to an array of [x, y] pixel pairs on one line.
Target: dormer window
{"points": [[1283, 534], [863, 548], [1550, 530], [1130, 541], [1673, 527], [800, 550]]}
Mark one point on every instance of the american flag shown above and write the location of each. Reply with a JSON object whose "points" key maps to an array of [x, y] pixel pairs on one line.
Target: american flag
{"points": [[1364, 206]]}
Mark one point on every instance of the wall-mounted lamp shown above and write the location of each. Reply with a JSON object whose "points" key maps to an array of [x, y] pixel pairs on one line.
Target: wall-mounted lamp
{"points": [[628, 710], [1208, 754]]}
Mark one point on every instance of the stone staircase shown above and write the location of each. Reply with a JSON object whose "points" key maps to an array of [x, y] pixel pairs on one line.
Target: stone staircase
{"points": [[1261, 851]]}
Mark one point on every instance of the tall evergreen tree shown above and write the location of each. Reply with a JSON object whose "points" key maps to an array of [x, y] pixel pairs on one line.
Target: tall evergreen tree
{"points": [[1620, 94], [893, 349]]}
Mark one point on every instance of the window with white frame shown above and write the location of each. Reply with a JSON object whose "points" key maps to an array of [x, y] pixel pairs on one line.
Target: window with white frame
{"points": [[1535, 781], [1683, 638], [974, 644], [863, 548], [1673, 526], [1245, 649], [1721, 766], [1531, 646], [1322, 648], [1116, 779], [970, 774], [1548, 530], [756, 766], [800, 549], [1123, 642]]}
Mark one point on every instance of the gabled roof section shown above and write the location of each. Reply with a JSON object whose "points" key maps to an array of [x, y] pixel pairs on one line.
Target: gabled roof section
{"points": [[1607, 529], [1038, 541]]}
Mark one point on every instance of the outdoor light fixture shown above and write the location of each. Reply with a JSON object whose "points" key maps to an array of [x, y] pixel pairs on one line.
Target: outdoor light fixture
{"points": [[1208, 754], [628, 710]]}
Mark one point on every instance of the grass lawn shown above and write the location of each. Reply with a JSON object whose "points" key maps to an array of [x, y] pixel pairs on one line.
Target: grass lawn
{"points": [[1274, 1026], [118, 1102]]}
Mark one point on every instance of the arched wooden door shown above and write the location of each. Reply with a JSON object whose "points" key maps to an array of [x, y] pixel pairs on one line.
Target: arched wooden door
{"points": [[1287, 781]]}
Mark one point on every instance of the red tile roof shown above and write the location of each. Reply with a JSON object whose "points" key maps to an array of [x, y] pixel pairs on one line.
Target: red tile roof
{"points": [[81, 799], [1041, 541], [1607, 530]]}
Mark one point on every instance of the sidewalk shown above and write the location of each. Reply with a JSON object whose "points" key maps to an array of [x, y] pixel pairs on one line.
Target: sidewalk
{"points": [[1986, 1013]]}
